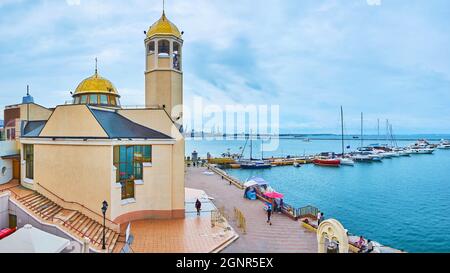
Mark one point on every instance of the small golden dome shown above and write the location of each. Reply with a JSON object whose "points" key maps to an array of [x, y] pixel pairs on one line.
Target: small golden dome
{"points": [[96, 84], [163, 27]]}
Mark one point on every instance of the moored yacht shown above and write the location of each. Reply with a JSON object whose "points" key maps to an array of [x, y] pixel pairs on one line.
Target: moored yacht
{"points": [[445, 144], [422, 150]]}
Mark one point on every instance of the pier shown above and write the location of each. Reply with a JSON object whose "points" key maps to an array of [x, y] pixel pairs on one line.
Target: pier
{"points": [[284, 236]]}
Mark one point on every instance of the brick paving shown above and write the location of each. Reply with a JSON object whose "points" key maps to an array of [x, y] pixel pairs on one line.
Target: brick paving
{"points": [[285, 235]]}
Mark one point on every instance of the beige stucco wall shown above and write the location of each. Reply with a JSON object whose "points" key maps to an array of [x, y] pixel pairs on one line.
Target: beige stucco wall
{"points": [[34, 112], [155, 193], [158, 120], [72, 121], [75, 173], [164, 87]]}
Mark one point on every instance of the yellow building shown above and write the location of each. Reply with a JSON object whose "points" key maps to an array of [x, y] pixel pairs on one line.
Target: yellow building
{"points": [[94, 150]]}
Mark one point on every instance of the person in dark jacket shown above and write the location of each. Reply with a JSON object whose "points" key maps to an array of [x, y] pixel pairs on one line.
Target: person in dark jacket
{"points": [[269, 214], [198, 206]]}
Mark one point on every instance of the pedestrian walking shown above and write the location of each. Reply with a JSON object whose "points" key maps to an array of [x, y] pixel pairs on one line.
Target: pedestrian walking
{"points": [[269, 214], [198, 206]]}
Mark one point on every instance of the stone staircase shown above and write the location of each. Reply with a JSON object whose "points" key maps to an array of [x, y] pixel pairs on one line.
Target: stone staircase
{"points": [[74, 222]]}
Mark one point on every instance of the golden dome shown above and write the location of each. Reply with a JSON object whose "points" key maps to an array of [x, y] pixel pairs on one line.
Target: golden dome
{"points": [[96, 84], [163, 27]]}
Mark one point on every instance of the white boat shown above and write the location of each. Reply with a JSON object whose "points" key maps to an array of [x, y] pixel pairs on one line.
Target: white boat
{"points": [[362, 158], [375, 157], [347, 161], [445, 144], [422, 151], [404, 153], [297, 164]]}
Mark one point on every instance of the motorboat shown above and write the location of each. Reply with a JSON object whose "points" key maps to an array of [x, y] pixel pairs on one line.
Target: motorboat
{"points": [[347, 161], [327, 162], [255, 165], [297, 164], [445, 144], [362, 158], [375, 157], [422, 150]]}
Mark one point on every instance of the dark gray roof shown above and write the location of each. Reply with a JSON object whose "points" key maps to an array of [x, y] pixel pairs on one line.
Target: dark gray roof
{"points": [[117, 126], [33, 128]]}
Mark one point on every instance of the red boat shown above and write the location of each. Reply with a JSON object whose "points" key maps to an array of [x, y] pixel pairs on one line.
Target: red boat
{"points": [[6, 232], [327, 162]]}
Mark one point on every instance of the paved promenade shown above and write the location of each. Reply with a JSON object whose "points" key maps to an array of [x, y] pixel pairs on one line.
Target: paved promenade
{"points": [[285, 235]]}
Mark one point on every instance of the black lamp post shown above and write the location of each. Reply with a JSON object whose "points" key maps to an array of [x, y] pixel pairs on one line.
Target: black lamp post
{"points": [[104, 208]]}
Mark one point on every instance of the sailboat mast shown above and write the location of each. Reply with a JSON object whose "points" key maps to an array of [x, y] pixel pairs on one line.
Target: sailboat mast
{"points": [[342, 129], [251, 146], [362, 129], [378, 137]]}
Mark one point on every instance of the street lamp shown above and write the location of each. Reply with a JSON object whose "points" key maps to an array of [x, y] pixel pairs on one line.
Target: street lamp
{"points": [[104, 208]]}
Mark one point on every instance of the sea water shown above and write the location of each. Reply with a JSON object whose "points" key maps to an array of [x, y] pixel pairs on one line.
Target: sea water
{"points": [[401, 202]]}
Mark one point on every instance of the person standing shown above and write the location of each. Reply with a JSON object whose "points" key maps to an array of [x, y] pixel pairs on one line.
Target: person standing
{"points": [[198, 206], [319, 218], [269, 214]]}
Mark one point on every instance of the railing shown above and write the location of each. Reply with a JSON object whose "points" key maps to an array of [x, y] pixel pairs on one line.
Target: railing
{"points": [[82, 234], [308, 211], [112, 223], [10, 190], [232, 180]]}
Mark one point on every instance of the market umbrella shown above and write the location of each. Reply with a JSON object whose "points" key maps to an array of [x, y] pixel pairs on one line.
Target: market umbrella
{"points": [[260, 181], [274, 195], [32, 240], [250, 183]]}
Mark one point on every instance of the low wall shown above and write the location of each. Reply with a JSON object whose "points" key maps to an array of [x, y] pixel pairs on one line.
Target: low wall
{"points": [[4, 214], [23, 218]]}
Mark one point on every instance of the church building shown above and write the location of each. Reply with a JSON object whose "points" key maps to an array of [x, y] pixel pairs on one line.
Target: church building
{"points": [[94, 150]]}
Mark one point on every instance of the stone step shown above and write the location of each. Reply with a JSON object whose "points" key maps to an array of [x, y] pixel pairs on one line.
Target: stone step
{"points": [[78, 223]]}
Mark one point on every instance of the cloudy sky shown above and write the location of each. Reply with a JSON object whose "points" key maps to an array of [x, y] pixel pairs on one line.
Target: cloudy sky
{"points": [[387, 58]]}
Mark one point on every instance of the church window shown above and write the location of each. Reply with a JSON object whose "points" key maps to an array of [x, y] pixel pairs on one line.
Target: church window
{"points": [[163, 48], [93, 99], [176, 56], [28, 151], [151, 47], [103, 99], [128, 161]]}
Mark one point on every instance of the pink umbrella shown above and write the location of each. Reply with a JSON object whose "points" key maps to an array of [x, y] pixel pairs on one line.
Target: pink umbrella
{"points": [[274, 195]]}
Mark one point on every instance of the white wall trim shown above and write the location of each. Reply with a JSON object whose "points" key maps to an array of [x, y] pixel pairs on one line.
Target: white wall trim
{"points": [[127, 201], [96, 142], [138, 182], [28, 181]]}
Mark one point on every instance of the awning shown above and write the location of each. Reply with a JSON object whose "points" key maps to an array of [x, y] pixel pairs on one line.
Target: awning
{"points": [[17, 156], [274, 195], [258, 180], [32, 240], [250, 183]]}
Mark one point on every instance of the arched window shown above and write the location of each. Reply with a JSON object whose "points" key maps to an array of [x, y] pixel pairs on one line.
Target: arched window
{"points": [[151, 47], [163, 48], [176, 56]]}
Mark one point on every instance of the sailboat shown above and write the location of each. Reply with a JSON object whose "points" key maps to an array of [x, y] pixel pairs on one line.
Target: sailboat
{"points": [[344, 160], [252, 163], [362, 155]]}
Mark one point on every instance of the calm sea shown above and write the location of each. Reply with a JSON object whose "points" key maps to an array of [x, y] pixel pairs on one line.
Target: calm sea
{"points": [[402, 202]]}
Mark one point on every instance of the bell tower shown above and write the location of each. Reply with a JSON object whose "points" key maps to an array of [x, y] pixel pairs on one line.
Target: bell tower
{"points": [[164, 69]]}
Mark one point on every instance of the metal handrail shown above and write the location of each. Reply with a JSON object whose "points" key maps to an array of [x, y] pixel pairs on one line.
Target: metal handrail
{"points": [[76, 203], [66, 224], [10, 190]]}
